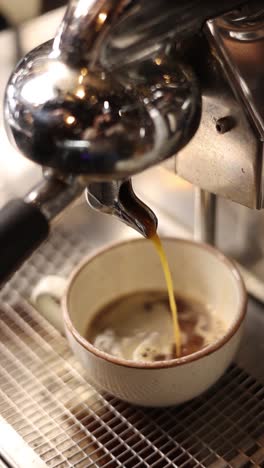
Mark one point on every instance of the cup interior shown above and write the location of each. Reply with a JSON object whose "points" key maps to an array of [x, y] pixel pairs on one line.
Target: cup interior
{"points": [[199, 272]]}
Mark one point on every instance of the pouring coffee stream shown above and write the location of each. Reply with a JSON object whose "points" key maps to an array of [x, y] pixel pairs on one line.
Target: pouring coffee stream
{"points": [[172, 301], [121, 201], [145, 221]]}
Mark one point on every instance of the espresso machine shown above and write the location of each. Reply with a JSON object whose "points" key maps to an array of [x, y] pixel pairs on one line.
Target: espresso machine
{"points": [[125, 86], [168, 86]]}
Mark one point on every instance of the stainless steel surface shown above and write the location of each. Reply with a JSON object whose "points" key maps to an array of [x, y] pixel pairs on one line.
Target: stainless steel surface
{"points": [[239, 40], [55, 193], [205, 216], [230, 72], [65, 112], [87, 120], [119, 199], [115, 33], [45, 395], [141, 28], [14, 453]]}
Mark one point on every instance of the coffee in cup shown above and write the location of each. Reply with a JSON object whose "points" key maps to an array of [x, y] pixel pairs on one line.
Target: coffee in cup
{"points": [[138, 327]]}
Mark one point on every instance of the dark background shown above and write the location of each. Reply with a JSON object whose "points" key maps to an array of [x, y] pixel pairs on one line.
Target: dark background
{"points": [[46, 5]]}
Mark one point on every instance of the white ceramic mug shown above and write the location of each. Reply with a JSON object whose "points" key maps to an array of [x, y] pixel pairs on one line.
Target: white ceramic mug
{"points": [[198, 271]]}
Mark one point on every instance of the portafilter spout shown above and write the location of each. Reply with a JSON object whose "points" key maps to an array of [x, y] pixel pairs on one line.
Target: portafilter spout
{"points": [[119, 199]]}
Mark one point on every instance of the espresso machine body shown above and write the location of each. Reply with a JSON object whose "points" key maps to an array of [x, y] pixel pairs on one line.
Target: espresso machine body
{"points": [[226, 155], [128, 85]]}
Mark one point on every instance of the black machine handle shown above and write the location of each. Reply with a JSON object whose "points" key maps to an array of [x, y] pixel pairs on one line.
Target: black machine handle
{"points": [[23, 227]]}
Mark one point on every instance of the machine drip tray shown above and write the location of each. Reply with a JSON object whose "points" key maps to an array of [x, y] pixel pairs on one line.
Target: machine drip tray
{"points": [[58, 420]]}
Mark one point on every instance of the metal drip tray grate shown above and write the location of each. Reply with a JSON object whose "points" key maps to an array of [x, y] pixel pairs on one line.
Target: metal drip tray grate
{"points": [[45, 396]]}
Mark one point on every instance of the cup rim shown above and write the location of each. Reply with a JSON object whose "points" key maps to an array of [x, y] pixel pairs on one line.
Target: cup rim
{"points": [[209, 349]]}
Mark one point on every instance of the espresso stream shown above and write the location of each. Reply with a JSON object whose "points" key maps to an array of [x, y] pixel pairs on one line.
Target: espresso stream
{"points": [[173, 305]]}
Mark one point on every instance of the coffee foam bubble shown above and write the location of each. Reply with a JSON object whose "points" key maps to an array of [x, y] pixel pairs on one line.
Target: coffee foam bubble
{"points": [[107, 341], [210, 328], [150, 347]]}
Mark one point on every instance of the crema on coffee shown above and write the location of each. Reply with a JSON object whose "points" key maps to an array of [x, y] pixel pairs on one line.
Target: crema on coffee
{"points": [[138, 327]]}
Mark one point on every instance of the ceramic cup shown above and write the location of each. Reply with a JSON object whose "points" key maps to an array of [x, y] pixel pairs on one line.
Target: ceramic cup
{"points": [[198, 271]]}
